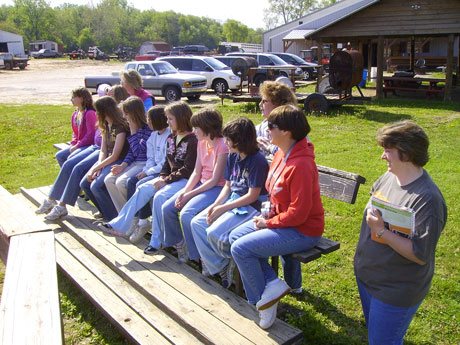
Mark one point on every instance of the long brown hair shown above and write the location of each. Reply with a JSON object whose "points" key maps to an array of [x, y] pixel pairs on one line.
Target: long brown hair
{"points": [[85, 95], [134, 108], [182, 112], [106, 107]]}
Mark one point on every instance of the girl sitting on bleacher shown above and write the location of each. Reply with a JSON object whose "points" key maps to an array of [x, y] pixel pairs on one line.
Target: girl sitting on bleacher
{"points": [[202, 188], [134, 161], [114, 147]]}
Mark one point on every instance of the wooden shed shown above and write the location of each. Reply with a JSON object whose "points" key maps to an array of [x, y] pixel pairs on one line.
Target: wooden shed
{"points": [[392, 19]]}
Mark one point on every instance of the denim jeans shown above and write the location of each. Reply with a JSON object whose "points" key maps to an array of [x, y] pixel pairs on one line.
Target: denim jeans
{"points": [[141, 197], [386, 324], [63, 155], [212, 240], [66, 187], [251, 253], [173, 219], [291, 267], [133, 182], [98, 194], [160, 198]]}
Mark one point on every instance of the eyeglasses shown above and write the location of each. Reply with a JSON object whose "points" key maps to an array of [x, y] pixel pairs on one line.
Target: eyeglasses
{"points": [[272, 125]]}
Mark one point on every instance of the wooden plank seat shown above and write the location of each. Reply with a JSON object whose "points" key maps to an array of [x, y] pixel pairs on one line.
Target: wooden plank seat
{"points": [[61, 146], [191, 307], [29, 308]]}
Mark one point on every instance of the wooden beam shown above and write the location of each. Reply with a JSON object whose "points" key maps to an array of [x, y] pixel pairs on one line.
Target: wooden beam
{"points": [[369, 60], [412, 53], [380, 60], [449, 68], [321, 69]]}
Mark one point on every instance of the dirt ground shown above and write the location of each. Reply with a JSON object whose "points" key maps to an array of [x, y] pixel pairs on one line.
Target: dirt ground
{"points": [[49, 81]]}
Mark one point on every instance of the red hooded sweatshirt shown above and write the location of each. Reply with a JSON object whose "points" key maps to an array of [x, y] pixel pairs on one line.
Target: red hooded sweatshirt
{"points": [[294, 191]]}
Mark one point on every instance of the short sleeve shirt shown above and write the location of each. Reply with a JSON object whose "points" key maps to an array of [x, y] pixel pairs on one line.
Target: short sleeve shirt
{"points": [[208, 158], [111, 135]]}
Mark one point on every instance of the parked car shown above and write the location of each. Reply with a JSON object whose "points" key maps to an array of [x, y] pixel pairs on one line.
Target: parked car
{"points": [[160, 78], [45, 53], [219, 77], [149, 56], [283, 69], [177, 51], [309, 69]]}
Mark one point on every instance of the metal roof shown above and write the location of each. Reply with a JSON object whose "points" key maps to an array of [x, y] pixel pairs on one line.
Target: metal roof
{"points": [[325, 17]]}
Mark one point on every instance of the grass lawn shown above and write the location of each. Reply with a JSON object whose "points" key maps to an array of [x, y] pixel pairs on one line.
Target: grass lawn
{"points": [[329, 310]]}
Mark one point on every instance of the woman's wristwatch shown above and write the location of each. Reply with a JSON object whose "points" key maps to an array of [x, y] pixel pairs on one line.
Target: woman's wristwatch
{"points": [[380, 233]]}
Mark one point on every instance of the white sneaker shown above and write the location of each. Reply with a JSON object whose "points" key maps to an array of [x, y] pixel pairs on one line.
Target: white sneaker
{"points": [[133, 227], [182, 253], [46, 206], [274, 291], [268, 316], [297, 291], [56, 213], [139, 233]]}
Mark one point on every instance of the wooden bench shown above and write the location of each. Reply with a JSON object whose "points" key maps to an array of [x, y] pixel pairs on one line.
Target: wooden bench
{"points": [[335, 184], [153, 299], [29, 308]]}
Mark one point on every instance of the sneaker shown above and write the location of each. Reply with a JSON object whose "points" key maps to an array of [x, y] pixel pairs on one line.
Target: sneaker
{"points": [[149, 250], [107, 229], [274, 291], [226, 274], [139, 233], [133, 227], [268, 316], [297, 291], [98, 215], [182, 253], [46, 206], [56, 213], [204, 270]]}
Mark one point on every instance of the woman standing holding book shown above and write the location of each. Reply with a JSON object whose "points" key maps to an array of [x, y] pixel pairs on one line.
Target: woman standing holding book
{"points": [[394, 272]]}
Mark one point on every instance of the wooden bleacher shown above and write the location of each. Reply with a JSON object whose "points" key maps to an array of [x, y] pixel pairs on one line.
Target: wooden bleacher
{"points": [[152, 299], [29, 308]]}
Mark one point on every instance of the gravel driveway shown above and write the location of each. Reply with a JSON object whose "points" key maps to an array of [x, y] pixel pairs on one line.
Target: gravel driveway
{"points": [[50, 81]]}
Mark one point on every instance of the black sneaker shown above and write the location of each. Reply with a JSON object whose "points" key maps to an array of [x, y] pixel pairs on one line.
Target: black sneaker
{"points": [[150, 250]]}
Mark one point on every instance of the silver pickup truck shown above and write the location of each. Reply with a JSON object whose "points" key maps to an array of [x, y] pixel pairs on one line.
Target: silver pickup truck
{"points": [[160, 78]]}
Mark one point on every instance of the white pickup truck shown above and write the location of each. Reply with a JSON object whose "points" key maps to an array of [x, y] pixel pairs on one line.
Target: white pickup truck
{"points": [[158, 77]]}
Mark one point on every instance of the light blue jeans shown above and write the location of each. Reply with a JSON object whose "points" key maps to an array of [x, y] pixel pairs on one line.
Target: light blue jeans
{"points": [[133, 182], [66, 187], [98, 194], [251, 253], [63, 155], [160, 198], [141, 197], [386, 324], [173, 219], [212, 240]]}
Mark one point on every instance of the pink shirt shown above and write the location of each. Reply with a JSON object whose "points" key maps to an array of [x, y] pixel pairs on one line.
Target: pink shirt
{"points": [[208, 158]]}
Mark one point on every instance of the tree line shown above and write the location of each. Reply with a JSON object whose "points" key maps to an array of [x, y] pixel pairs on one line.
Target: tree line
{"points": [[113, 23]]}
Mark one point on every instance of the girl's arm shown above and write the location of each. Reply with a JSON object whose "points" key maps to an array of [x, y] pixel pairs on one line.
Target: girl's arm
{"points": [[189, 163], [118, 148]]}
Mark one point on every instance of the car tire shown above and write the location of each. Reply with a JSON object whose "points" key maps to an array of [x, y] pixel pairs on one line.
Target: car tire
{"points": [[284, 74], [220, 86], [172, 94], [307, 74], [316, 103], [194, 98]]}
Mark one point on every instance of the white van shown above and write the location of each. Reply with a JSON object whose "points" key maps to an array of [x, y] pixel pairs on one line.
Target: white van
{"points": [[219, 77]]}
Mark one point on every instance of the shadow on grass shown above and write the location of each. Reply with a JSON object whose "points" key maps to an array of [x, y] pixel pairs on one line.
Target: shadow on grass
{"points": [[82, 322], [349, 332]]}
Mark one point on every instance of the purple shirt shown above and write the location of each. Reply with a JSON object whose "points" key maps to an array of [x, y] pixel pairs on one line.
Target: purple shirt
{"points": [[138, 145]]}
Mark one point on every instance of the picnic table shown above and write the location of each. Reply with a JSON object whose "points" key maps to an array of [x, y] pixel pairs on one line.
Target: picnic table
{"points": [[413, 84]]}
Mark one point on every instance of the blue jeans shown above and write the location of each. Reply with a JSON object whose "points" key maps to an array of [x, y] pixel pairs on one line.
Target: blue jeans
{"points": [[251, 253], [291, 267], [133, 182], [66, 187], [386, 324], [173, 221], [141, 197], [212, 240], [63, 155], [160, 198], [98, 194]]}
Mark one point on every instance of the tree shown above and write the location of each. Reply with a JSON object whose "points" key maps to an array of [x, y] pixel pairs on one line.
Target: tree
{"points": [[234, 31]]}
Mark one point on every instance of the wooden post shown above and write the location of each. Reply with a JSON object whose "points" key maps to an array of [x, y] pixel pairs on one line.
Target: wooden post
{"points": [[369, 60], [412, 53], [321, 69], [449, 67], [379, 88]]}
